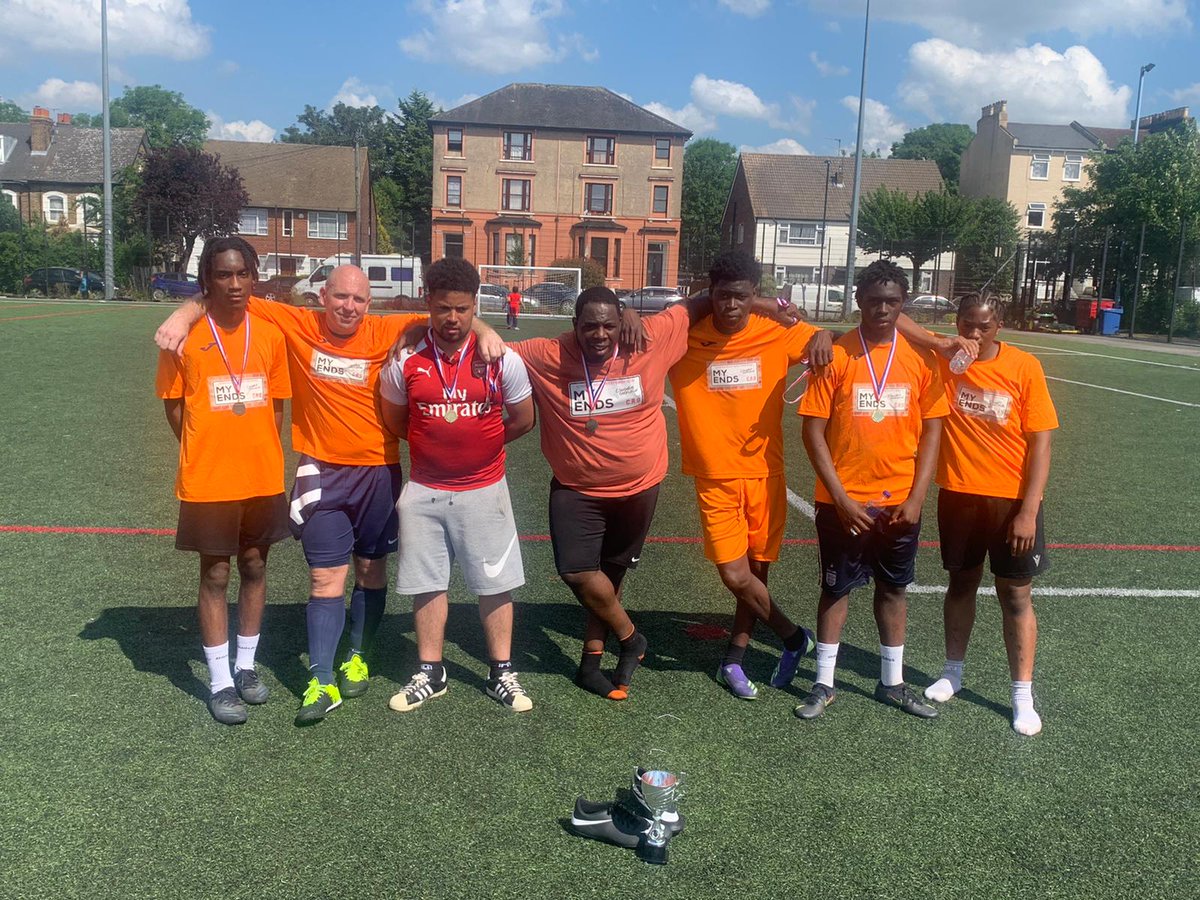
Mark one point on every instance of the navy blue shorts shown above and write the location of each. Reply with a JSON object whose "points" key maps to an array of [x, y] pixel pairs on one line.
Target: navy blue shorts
{"points": [[338, 510], [848, 561]]}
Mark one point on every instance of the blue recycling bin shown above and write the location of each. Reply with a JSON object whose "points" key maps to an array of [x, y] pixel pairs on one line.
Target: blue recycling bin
{"points": [[1110, 320]]}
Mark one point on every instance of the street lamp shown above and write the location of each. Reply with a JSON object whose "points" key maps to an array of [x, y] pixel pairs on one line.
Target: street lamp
{"points": [[1137, 116]]}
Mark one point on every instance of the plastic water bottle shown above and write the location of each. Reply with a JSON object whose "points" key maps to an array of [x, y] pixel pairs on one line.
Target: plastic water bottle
{"points": [[875, 508], [961, 362]]}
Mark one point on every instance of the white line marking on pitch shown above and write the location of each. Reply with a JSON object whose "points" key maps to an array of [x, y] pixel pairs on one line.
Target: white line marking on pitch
{"points": [[1145, 362], [1073, 592], [1119, 391], [801, 504]]}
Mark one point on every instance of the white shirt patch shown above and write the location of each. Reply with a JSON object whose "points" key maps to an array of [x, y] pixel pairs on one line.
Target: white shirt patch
{"points": [[223, 395], [993, 405], [894, 401], [617, 395], [735, 374], [335, 368]]}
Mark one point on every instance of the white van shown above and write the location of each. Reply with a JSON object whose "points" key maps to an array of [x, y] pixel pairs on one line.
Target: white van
{"points": [[389, 275]]}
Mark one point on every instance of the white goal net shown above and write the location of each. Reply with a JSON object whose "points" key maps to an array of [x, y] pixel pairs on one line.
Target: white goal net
{"points": [[545, 290]]}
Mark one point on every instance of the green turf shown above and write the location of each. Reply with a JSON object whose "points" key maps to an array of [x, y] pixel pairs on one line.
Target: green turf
{"points": [[117, 783]]}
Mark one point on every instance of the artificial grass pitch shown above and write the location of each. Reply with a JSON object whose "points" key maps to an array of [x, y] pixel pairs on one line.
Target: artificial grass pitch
{"points": [[118, 783]]}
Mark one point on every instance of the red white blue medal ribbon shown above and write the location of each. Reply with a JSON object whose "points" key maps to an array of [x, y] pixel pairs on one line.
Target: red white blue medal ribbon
{"points": [[594, 392], [239, 406], [449, 389], [878, 384]]}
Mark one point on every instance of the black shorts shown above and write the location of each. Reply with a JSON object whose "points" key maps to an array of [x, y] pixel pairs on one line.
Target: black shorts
{"points": [[888, 552], [587, 531], [227, 527], [972, 526]]}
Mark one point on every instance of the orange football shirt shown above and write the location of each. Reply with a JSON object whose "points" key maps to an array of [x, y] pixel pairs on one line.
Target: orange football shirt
{"points": [[224, 456], [729, 390], [870, 456], [627, 452], [993, 406], [336, 412]]}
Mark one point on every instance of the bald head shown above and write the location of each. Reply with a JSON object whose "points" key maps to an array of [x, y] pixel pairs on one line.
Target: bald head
{"points": [[346, 297]]}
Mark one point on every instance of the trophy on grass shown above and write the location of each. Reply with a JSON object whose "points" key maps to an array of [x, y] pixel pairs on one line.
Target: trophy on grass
{"points": [[661, 791]]}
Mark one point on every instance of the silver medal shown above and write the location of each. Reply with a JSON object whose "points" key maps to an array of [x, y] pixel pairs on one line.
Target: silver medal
{"points": [[879, 415], [239, 408]]}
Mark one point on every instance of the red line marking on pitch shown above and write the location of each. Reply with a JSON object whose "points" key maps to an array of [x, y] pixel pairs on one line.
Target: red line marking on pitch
{"points": [[81, 312], [541, 538]]}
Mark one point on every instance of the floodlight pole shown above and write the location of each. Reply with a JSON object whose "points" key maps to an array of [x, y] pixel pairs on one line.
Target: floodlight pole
{"points": [[1137, 115], [858, 153], [109, 269]]}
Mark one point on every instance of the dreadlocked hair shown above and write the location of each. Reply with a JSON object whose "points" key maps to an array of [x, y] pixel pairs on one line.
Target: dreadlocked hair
{"points": [[882, 271], [221, 245]]}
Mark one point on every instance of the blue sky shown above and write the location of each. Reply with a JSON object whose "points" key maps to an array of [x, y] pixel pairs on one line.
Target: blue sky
{"points": [[780, 75]]}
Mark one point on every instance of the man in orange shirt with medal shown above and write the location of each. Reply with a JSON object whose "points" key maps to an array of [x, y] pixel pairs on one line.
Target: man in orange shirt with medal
{"points": [[871, 429], [223, 396]]}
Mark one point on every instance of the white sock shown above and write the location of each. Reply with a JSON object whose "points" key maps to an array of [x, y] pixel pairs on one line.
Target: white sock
{"points": [[891, 665], [949, 684], [218, 666], [826, 663], [1025, 718], [245, 652]]}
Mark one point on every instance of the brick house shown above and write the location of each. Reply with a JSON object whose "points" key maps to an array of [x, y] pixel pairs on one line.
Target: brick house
{"points": [[52, 171], [302, 203], [539, 172]]}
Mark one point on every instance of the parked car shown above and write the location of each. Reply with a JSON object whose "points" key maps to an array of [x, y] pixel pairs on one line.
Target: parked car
{"points": [[931, 303], [551, 295], [648, 300], [492, 298], [173, 284], [59, 281]]}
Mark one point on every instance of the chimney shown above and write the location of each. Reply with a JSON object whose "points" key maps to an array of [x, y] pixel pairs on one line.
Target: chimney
{"points": [[997, 111], [64, 118], [39, 138]]}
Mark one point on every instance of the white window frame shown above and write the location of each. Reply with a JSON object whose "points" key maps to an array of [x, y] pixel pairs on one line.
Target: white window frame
{"points": [[12, 196], [1035, 208], [1075, 160], [287, 224], [783, 235], [1039, 160], [46, 210], [260, 220], [318, 218]]}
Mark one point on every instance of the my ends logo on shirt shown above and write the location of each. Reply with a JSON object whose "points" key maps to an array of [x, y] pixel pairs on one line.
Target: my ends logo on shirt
{"points": [[335, 368], [617, 395], [735, 374], [894, 401], [223, 395], [993, 405]]}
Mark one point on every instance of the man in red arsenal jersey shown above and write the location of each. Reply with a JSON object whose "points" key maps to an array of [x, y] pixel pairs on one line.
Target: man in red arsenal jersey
{"points": [[457, 413]]}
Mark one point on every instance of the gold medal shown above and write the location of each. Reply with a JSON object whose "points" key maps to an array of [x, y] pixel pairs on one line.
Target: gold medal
{"points": [[879, 415], [451, 414]]}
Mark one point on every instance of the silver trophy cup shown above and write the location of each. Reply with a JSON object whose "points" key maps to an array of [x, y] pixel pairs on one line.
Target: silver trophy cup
{"points": [[661, 790]]}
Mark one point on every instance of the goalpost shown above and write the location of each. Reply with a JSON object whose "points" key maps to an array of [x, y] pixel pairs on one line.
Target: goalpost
{"points": [[545, 290]]}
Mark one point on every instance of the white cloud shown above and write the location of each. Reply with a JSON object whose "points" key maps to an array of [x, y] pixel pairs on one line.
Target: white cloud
{"points": [[354, 93], [730, 98], [783, 145], [949, 82], [881, 128], [690, 117], [1188, 94], [827, 68], [255, 130], [68, 96], [751, 8], [986, 23], [440, 103], [135, 28], [493, 36]]}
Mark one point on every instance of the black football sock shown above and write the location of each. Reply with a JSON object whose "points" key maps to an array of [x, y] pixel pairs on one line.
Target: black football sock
{"points": [[499, 667], [795, 641], [633, 649], [733, 655], [591, 679]]}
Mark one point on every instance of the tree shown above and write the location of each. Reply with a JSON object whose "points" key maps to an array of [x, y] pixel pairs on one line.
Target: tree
{"points": [[591, 273], [943, 143], [10, 219], [983, 255], [917, 228], [411, 165], [1156, 184], [185, 194], [708, 169], [339, 127], [168, 119], [10, 112]]}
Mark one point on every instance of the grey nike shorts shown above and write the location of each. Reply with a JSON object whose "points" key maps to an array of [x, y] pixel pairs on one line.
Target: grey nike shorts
{"points": [[474, 527]]}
